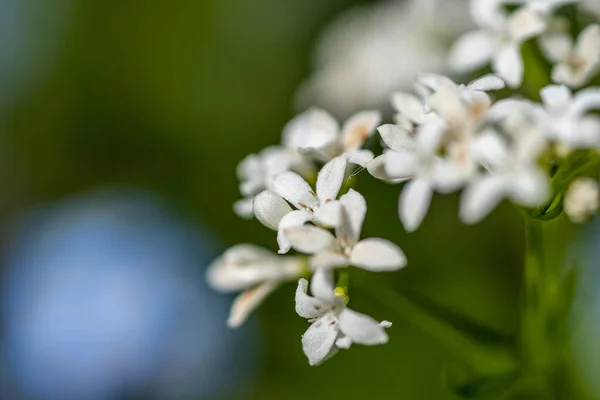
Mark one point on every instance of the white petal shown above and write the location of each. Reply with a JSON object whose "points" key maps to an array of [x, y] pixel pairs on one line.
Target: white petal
{"points": [[396, 138], [471, 51], [330, 179], [247, 302], [430, 136], [588, 133], [556, 47], [244, 266], [530, 187], [352, 217], [490, 148], [269, 208], [585, 100], [361, 328], [377, 255], [319, 339], [481, 197], [328, 260], [294, 189], [565, 74], [313, 128], [310, 239], [449, 176], [588, 44], [507, 63], [400, 164], [329, 214], [447, 103], [385, 324], [487, 13], [322, 287], [343, 342], [359, 128], [507, 108], [414, 203], [487, 83], [556, 97], [293, 219], [244, 208], [409, 106], [524, 24], [308, 306], [376, 167], [434, 81], [360, 157]]}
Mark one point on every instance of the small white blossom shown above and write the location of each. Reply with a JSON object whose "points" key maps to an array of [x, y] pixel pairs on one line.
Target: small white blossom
{"points": [[316, 134], [575, 62], [414, 157], [272, 209], [345, 248], [256, 172], [512, 173], [564, 117], [255, 271], [333, 325], [582, 199], [499, 40]]}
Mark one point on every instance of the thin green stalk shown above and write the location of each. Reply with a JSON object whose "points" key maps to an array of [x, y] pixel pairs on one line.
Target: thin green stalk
{"points": [[536, 345], [486, 360]]}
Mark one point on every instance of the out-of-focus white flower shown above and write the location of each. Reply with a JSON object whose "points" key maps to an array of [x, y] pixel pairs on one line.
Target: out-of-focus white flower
{"points": [[564, 117], [576, 62], [272, 209], [329, 251], [415, 157], [582, 199], [512, 173], [499, 40], [256, 172], [333, 325], [315, 133], [372, 51], [256, 271]]}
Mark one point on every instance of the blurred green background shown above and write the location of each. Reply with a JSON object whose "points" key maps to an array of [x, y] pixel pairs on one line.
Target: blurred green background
{"points": [[169, 97]]}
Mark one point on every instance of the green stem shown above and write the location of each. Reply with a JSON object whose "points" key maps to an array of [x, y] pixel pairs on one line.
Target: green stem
{"points": [[537, 346], [486, 360], [533, 288]]}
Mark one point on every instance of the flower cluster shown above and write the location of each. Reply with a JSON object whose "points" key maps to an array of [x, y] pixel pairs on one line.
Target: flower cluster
{"points": [[491, 139]]}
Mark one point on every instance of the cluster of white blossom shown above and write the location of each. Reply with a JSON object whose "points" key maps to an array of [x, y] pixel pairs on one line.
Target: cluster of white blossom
{"points": [[445, 137]]}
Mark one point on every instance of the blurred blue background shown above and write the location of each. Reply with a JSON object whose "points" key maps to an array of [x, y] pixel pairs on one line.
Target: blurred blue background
{"points": [[121, 124]]}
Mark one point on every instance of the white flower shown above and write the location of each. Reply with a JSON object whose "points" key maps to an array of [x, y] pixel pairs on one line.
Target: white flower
{"points": [[563, 116], [513, 173], [576, 62], [316, 133], [272, 209], [499, 40], [254, 270], [256, 172], [582, 199], [333, 326], [329, 251], [414, 157]]}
